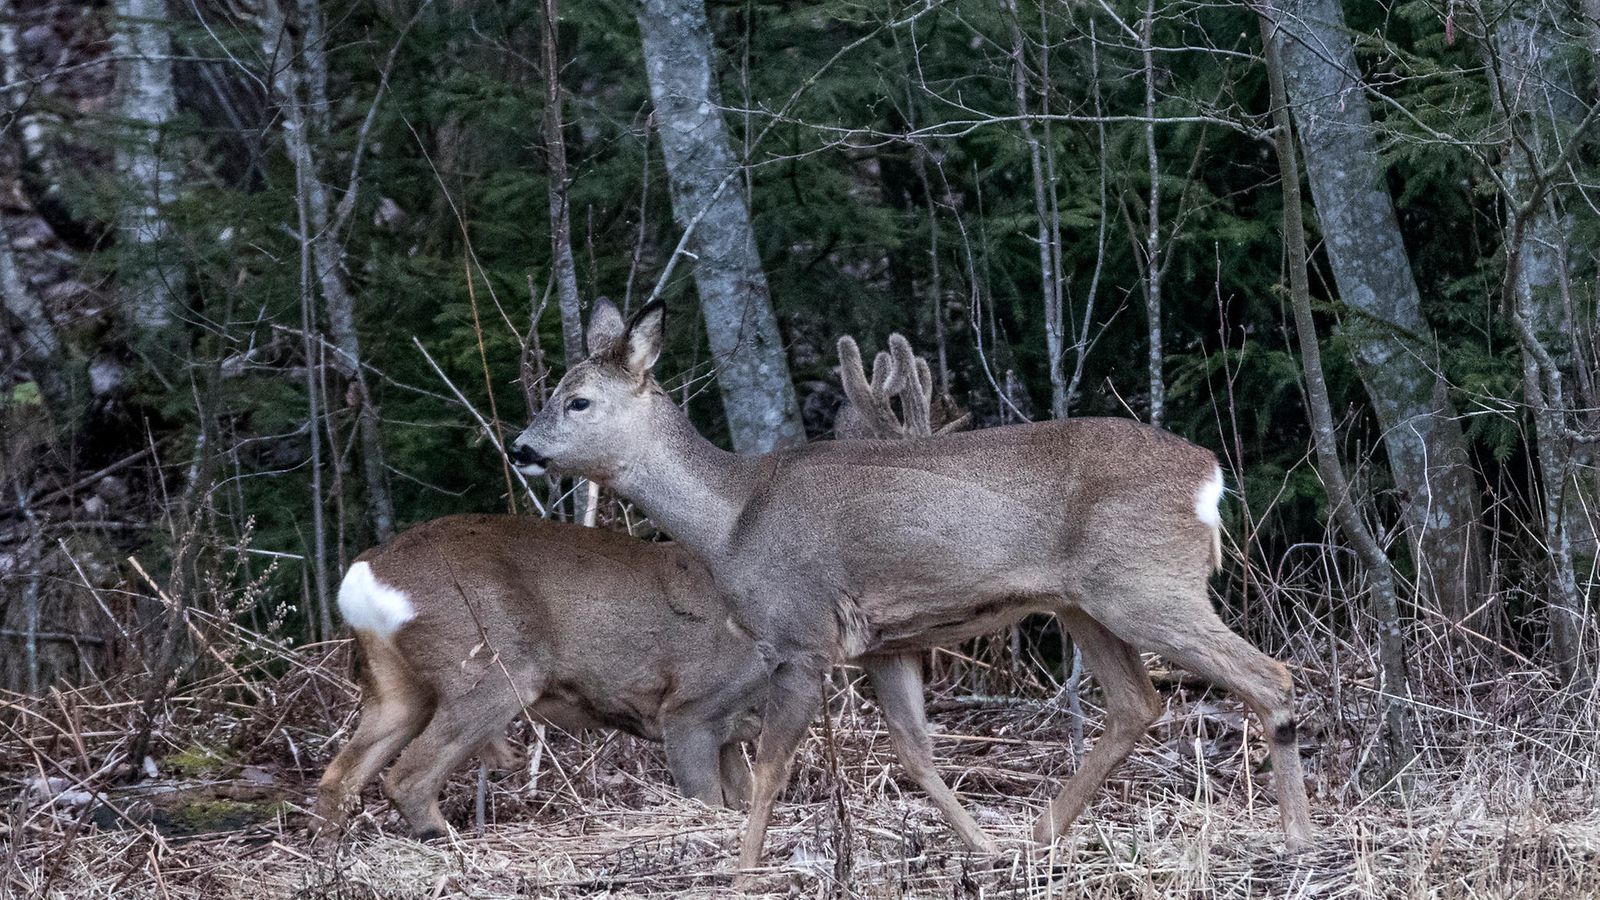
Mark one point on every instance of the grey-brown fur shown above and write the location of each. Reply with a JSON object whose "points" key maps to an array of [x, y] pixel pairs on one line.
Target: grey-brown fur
{"points": [[587, 629], [864, 547], [584, 627], [900, 375]]}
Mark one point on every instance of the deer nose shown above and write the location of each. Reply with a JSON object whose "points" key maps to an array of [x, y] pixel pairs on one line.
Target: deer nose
{"points": [[523, 455]]}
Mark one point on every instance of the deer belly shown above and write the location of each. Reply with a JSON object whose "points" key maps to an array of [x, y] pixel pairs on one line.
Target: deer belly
{"points": [[574, 710], [919, 623]]}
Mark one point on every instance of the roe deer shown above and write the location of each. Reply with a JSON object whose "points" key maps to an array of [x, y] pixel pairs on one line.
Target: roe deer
{"points": [[897, 677], [466, 621], [842, 549]]}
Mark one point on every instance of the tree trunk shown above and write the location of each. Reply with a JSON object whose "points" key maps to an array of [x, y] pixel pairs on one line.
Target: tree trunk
{"points": [[303, 115], [753, 370], [36, 334], [1390, 339], [152, 278], [41, 167], [1152, 244], [1591, 30], [1047, 223], [1537, 95], [1395, 684], [563, 266], [555, 150]]}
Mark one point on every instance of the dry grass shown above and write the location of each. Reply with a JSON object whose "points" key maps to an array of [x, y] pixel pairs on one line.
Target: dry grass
{"points": [[1502, 803]]}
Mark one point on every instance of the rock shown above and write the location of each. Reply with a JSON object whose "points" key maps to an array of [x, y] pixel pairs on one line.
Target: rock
{"points": [[105, 376], [40, 39], [44, 788], [257, 775], [112, 489]]}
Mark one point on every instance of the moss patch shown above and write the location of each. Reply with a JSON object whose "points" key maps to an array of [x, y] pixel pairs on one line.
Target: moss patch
{"points": [[196, 760], [201, 815]]}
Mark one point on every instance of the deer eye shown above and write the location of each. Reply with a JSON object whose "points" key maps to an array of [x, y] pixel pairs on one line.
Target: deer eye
{"points": [[577, 404]]}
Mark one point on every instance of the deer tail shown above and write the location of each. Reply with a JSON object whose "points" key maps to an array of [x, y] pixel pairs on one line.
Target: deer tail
{"points": [[1208, 509]]}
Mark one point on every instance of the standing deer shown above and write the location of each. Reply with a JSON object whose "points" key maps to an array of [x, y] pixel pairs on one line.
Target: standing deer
{"points": [[843, 549], [465, 621]]}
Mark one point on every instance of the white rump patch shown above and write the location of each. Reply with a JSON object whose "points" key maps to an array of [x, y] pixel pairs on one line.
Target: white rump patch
{"points": [[372, 607], [1207, 503]]}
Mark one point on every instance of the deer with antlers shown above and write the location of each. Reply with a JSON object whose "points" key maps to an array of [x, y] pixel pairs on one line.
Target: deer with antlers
{"points": [[466, 621], [852, 549]]}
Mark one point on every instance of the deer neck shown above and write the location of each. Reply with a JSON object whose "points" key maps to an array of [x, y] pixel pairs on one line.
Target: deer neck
{"points": [[691, 488]]}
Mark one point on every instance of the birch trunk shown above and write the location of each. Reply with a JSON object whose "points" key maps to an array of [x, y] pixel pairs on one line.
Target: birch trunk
{"points": [[555, 148], [40, 166], [1152, 246], [302, 115], [36, 334], [152, 277], [1049, 264], [1538, 95], [708, 196], [1393, 347], [1395, 685], [38, 341], [585, 499]]}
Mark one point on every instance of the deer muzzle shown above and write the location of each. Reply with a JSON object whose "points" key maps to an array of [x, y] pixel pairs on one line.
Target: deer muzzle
{"points": [[528, 460]]}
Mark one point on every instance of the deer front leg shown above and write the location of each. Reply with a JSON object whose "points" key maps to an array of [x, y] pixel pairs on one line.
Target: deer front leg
{"points": [[897, 680], [693, 756], [735, 775], [792, 701]]}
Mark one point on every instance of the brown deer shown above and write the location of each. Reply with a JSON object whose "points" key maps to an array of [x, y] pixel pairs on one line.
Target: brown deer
{"points": [[843, 549], [466, 621]]}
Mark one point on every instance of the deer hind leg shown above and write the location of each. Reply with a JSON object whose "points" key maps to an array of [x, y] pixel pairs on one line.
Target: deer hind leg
{"points": [[793, 698], [1188, 633], [461, 725], [897, 681], [394, 710], [1131, 706]]}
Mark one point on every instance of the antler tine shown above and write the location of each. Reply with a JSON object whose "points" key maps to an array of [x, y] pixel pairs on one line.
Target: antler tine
{"points": [[918, 401], [852, 374], [888, 376], [915, 398], [867, 398]]}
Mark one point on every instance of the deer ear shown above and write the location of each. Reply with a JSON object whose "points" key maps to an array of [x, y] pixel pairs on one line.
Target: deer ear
{"points": [[644, 337], [605, 326]]}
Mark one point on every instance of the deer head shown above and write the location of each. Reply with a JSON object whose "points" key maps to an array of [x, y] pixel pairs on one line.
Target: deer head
{"points": [[590, 423]]}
